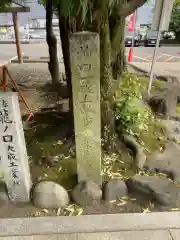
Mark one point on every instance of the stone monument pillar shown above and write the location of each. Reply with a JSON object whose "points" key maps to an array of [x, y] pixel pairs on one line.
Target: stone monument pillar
{"points": [[13, 154], [85, 70]]}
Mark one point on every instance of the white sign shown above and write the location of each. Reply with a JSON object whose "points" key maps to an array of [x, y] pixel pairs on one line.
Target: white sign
{"points": [[13, 155]]}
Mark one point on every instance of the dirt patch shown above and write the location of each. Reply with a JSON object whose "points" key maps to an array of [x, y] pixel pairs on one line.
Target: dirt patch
{"points": [[31, 79]]}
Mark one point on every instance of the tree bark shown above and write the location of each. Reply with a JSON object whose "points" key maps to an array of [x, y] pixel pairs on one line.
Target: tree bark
{"points": [[17, 37], [52, 45], [130, 7], [107, 91], [64, 34], [117, 25]]}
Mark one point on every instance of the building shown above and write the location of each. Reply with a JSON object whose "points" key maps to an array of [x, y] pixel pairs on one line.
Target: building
{"points": [[37, 25], [37, 11], [40, 22]]}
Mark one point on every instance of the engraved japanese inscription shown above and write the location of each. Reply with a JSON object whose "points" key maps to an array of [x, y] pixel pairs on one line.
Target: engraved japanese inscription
{"points": [[85, 69], [14, 159]]}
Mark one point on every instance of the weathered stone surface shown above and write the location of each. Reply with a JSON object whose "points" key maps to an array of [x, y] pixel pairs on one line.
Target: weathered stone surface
{"points": [[85, 68], [13, 156], [125, 235], [47, 194], [138, 151], [114, 189], [166, 162], [176, 117], [160, 189], [171, 129], [86, 193], [167, 78], [164, 102], [52, 160], [175, 233]]}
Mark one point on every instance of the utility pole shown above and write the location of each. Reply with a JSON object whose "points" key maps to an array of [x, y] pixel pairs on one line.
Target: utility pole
{"points": [[17, 36], [166, 16], [156, 48]]}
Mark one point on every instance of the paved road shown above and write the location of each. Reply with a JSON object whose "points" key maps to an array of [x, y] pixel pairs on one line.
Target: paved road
{"points": [[31, 50], [7, 52], [140, 54], [164, 54]]}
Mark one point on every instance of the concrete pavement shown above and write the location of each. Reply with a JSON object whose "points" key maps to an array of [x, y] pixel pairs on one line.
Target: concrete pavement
{"points": [[8, 54], [124, 235], [34, 51], [140, 54], [164, 54], [135, 226], [160, 69]]}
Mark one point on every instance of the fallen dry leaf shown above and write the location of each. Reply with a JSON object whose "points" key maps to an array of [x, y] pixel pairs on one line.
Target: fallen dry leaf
{"points": [[174, 209], [113, 201], [133, 199], [45, 211], [59, 142], [122, 203], [37, 214], [146, 210], [58, 212], [60, 169], [45, 175]]}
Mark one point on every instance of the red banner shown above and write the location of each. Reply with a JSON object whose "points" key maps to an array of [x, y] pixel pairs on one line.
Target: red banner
{"points": [[131, 22]]}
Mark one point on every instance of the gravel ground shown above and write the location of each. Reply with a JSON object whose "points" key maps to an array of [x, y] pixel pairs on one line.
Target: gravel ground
{"points": [[31, 77]]}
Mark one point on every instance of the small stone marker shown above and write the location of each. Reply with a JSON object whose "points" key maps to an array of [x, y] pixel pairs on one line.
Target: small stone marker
{"points": [[13, 155], [85, 70]]}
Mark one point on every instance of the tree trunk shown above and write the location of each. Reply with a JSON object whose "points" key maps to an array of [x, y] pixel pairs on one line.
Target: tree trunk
{"points": [[117, 27], [64, 34], [52, 45], [130, 6], [107, 90]]}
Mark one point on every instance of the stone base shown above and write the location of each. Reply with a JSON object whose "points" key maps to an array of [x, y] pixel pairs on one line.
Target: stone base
{"points": [[89, 224]]}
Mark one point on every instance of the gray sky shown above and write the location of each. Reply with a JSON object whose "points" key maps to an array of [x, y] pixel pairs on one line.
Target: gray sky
{"points": [[144, 13]]}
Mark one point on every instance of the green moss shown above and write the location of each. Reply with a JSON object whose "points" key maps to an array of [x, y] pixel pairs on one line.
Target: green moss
{"points": [[178, 108], [153, 139], [41, 144], [134, 116], [64, 173], [156, 84], [118, 166]]}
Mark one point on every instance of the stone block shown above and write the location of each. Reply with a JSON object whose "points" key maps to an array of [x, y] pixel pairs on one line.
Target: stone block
{"points": [[85, 70], [13, 157]]}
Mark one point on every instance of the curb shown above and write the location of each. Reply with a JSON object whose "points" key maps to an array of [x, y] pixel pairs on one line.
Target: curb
{"points": [[170, 45], [139, 69], [25, 42], [25, 60], [13, 42], [164, 78], [89, 224]]}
